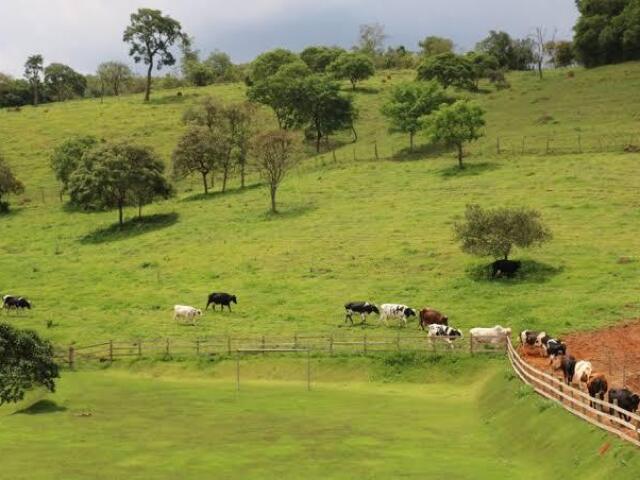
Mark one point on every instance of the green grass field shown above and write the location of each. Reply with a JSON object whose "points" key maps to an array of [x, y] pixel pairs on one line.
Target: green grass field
{"points": [[169, 423]]}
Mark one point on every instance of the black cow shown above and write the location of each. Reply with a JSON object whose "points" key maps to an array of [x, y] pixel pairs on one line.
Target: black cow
{"points": [[363, 308], [597, 386], [222, 299], [625, 399], [566, 363], [508, 268], [16, 303]]}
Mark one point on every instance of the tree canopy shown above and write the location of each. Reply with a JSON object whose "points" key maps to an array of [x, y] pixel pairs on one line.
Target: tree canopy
{"points": [[433, 45], [8, 184], [267, 64], [494, 232], [352, 66], [67, 157], [115, 175], [511, 54], [33, 69], [27, 362], [318, 58], [456, 124], [449, 70], [63, 82], [371, 39], [196, 151], [408, 102], [113, 75], [151, 36]]}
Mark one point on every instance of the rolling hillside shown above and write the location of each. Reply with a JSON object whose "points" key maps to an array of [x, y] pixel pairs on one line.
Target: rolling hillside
{"points": [[364, 229]]}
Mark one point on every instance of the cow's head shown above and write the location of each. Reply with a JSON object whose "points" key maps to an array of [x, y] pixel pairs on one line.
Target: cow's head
{"points": [[375, 309], [409, 312], [635, 402], [198, 312], [234, 299], [455, 333]]}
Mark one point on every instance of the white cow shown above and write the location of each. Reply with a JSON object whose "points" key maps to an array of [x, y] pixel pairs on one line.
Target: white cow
{"points": [[493, 335], [448, 333], [184, 311], [395, 311], [582, 373]]}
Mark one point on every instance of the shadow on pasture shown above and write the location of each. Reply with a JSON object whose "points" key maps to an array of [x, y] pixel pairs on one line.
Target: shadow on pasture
{"points": [[42, 407], [469, 170], [172, 99], [419, 152], [218, 194], [286, 212], [365, 90], [131, 228], [530, 272]]}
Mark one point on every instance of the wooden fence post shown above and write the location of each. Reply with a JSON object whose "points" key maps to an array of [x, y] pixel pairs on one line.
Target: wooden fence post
{"points": [[579, 144], [263, 344], [471, 344], [139, 348], [547, 151], [335, 159], [71, 356], [308, 370], [229, 344], [111, 350], [375, 150], [523, 140], [167, 350], [198, 347], [498, 145], [295, 340], [364, 344], [331, 344], [237, 371], [398, 341]]}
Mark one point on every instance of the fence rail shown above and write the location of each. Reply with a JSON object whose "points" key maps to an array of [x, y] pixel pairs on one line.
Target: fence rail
{"points": [[228, 345], [576, 401]]}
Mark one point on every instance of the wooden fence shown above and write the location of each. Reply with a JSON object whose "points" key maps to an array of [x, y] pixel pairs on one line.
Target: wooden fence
{"points": [[322, 344], [576, 401]]}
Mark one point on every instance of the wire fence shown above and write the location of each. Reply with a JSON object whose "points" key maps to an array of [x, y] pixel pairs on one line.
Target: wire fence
{"points": [[167, 348]]}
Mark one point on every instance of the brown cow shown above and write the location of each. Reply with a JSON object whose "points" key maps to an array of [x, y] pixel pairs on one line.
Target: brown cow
{"points": [[429, 316], [597, 386]]}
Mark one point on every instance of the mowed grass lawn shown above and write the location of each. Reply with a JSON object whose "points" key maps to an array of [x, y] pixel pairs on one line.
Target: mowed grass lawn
{"points": [[120, 424]]}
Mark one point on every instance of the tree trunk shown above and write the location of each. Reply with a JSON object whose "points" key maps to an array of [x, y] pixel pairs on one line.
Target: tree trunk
{"points": [[540, 69], [242, 162], [204, 181], [355, 133], [318, 138], [116, 88], [411, 135], [460, 156], [140, 210], [225, 175], [353, 85], [273, 199], [35, 94], [147, 91], [120, 214]]}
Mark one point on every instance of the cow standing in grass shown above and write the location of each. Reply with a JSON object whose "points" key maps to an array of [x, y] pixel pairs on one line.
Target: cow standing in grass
{"points": [[361, 308], [12, 302], [429, 316], [395, 311], [222, 299], [186, 312], [447, 333]]}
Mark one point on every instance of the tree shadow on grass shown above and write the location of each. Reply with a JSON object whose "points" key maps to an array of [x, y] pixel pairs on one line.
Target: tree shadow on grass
{"points": [[288, 212], [419, 152], [530, 272], [171, 99], [41, 407], [365, 90], [131, 228], [469, 170], [217, 194]]}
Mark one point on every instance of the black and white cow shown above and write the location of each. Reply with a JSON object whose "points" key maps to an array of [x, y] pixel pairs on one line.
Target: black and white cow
{"points": [[448, 333], [554, 347], [530, 337], [508, 268], [222, 299], [396, 311], [12, 302], [625, 399], [361, 308]]}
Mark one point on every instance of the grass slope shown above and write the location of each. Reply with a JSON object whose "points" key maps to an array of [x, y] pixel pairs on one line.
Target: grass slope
{"points": [[348, 230], [174, 424]]}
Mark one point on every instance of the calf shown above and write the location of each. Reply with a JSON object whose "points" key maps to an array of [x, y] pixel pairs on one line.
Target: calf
{"points": [[396, 311], [583, 371], [508, 268], [445, 331], [566, 363], [597, 386], [625, 399], [429, 316], [184, 311], [222, 299], [362, 308]]}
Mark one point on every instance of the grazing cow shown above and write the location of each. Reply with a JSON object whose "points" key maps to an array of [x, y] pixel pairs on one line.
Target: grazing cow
{"points": [[362, 308], [554, 347], [10, 302], [530, 338], [507, 268], [184, 311], [396, 311], [566, 363], [493, 335], [597, 386], [222, 299], [429, 316], [625, 399], [583, 371], [449, 333]]}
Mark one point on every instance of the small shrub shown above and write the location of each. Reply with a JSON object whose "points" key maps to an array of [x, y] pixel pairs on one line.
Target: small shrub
{"points": [[571, 74]]}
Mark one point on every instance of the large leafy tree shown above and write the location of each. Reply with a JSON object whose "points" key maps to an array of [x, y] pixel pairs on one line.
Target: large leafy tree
{"points": [[14, 92], [113, 75], [8, 184], [448, 69], [456, 124], [433, 45], [67, 157], [484, 65], [511, 54], [560, 52], [26, 361], [116, 175], [318, 58], [151, 36], [240, 117], [33, 69], [352, 66], [275, 155], [408, 102], [267, 64], [63, 82], [495, 232], [196, 151]]}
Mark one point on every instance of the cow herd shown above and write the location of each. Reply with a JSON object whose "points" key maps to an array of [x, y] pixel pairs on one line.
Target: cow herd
{"points": [[580, 372], [192, 313]]}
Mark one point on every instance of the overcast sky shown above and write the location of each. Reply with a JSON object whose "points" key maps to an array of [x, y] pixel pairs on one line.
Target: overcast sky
{"points": [[83, 33]]}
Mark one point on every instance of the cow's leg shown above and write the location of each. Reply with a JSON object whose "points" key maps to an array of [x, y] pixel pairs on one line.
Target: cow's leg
{"points": [[363, 318], [229, 307]]}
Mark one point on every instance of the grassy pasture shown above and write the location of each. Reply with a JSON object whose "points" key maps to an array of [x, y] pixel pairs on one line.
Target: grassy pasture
{"points": [[181, 422], [348, 230]]}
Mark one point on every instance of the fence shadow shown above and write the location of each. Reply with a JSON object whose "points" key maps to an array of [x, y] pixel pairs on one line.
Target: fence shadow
{"points": [[469, 170], [42, 407], [131, 228], [227, 193], [530, 272]]}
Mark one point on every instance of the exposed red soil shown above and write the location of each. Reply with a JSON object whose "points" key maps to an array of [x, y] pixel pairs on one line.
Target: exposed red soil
{"points": [[614, 351]]}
